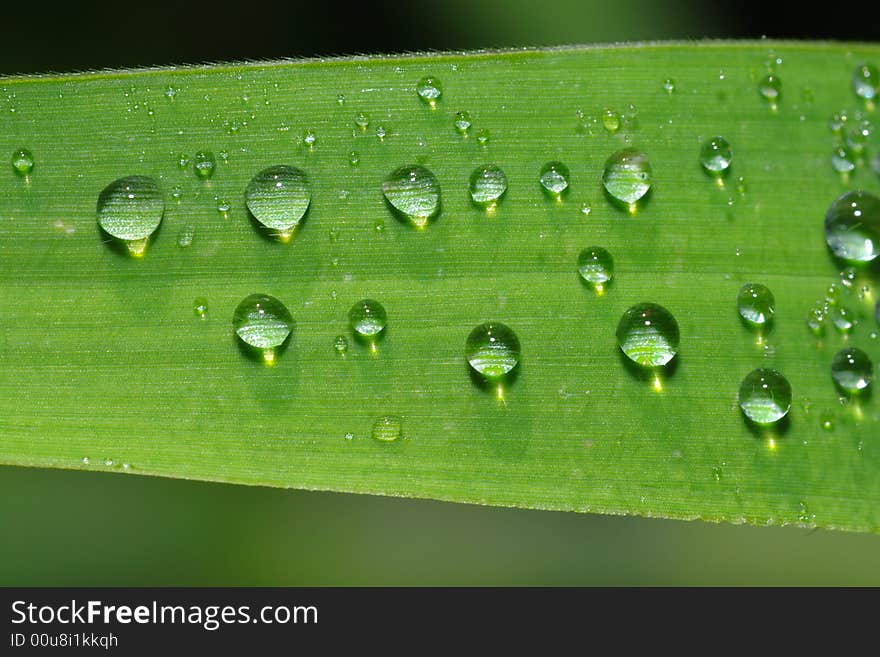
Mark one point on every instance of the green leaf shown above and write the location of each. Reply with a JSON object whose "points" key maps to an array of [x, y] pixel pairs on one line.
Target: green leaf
{"points": [[105, 360]]}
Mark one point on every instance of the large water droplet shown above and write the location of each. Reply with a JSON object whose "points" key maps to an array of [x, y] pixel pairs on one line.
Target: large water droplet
{"points": [[488, 184], [852, 226], [716, 155], [130, 209], [627, 176], [204, 164], [278, 198], [386, 429], [648, 335], [262, 323], [492, 350], [866, 81], [765, 396], [554, 178], [852, 370], [414, 192], [429, 90], [22, 161], [756, 304], [596, 266], [368, 318]]}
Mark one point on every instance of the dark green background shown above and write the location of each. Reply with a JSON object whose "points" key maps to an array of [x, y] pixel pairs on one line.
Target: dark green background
{"points": [[76, 528]]}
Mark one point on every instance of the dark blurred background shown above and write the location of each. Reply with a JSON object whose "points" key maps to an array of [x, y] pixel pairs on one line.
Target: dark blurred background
{"points": [[76, 528]]}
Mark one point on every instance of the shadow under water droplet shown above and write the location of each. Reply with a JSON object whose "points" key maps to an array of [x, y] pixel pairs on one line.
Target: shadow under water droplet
{"points": [[420, 223], [649, 374], [768, 432], [273, 235], [258, 355], [631, 209], [120, 247], [492, 386]]}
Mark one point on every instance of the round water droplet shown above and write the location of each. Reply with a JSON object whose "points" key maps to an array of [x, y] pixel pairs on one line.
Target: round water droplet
{"points": [[816, 321], [554, 178], [852, 226], [765, 396], [362, 120], [866, 81], [340, 344], [669, 86], [857, 135], [130, 209], [354, 158], [483, 137], [492, 350], [488, 184], [204, 164], [200, 307], [716, 155], [429, 90], [843, 160], [278, 197], [22, 161], [852, 370], [368, 318], [827, 423], [770, 89], [756, 304], [837, 121], [610, 120], [462, 122], [842, 318], [380, 133], [627, 176], [262, 322], [596, 266], [386, 429], [648, 335], [414, 192], [309, 139]]}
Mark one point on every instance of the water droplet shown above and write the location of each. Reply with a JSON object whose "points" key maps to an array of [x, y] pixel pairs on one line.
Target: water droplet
{"points": [[837, 121], [85, 460], [22, 161], [765, 396], [185, 237], [610, 120], [367, 318], [866, 81], [414, 192], [483, 137], [130, 209], [716, 155], [492, 350], [627, 176], [340, 344], [852, 370], [717, 472], [843, 160], [554, 178], [386, 429], [827, 423], [354, 158], [741, 185], [223, 206], [204, 164], [669, 86], [816, 321], [429, 90], [108, 462], [200, 307], [596, 266], [770, 89], [842, 318], [262, 323], [340, 99], [756, 304], [586, 209], [857, 136], [349, 436], [462, 122], [309, 139], [648, 334], [362, 120], [852, 226], [380, 133], [278, 197], [488, 184]]}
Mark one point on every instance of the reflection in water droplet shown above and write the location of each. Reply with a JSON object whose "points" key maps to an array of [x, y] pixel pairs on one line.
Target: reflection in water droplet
{"points": [[278, 197], [852, 226], [765, 396], [263, 323], [852, 370], [648, 334], [414, 192], [368, 318], [756, 304], [487, 185], [554, 179], [627, 176], [130, 209], [492, 350], [386, 429], [22, 161]]}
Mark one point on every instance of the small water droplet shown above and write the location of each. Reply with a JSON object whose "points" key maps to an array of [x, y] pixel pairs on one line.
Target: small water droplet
{"points": [[852, 226], [596, 266], [362, 120], [610, 120], [717, 473], [716, 155], [278, 197], [741, 185], [354, 158], [85, 460], [340, 99], [843, 160], [108, 462], [627, 176], [770, 88], [429, 90], [349, 436], [340, 344], [554, 178], [413, 191], [200, 308], [483, 137], [669, 86], [838, 121], [816, 321], [826, 422], [842, 318], [586, 209], [309, 139], [130, 209], [765, 396], [852, 370], [866, 81], [380, 133], [756, 304], [204, 164], [262, 323], [185, 237], [492, 350], [386, 429], [22, 161], [487, 185], [462, 122], [648, 334], [367, 318]]}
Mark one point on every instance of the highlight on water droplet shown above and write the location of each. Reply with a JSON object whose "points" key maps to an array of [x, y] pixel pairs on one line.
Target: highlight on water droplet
{"points": [[852, 370], [368, 319], [555, 179], [866, 82], [200, 308], [130, 210], [627, 177], [462, 122], [756, 304], [22, 161], [648, 335], [716, 156], [429, 90], [852, 226], [263, 325], [387, 429], [278, 198], [413, 191], [493, 351], [765, 396], [770, 88], [596, 267], [487, 185], [204, 164]]}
